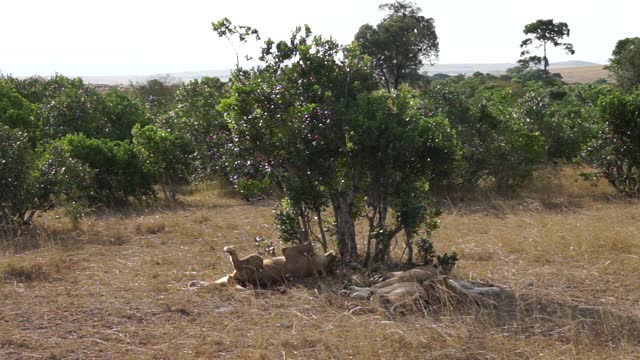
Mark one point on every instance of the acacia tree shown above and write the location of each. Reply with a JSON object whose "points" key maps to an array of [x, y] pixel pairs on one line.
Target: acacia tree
{"points": [[625, 63], [399, 147], [291, 116], [543, 33], [312, 119], [399, 44]]}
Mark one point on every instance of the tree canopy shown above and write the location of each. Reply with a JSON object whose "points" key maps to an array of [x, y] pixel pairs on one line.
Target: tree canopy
{"points": [[625, 63], [543, 33], [399, 44]]}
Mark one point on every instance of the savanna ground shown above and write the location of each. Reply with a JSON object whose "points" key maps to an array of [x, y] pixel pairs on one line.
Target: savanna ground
{"points": [[583, 74], [115, 286]]}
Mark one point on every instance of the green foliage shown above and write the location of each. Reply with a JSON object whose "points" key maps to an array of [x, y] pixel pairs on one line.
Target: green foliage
{"points": [[63, 106], [117, 172], [446, 262], [157, 95], [289, 120], [625, 63], [427, 254], [496, 131], [71, 107], [253, 189], [570, 121], [16, 112], [288, 223], [616, 154], [545, 32], [399, 44], [399, 147], [121, 113], [167, 154], [426, 250], [20, 180], [508, 147], [197, 116]]}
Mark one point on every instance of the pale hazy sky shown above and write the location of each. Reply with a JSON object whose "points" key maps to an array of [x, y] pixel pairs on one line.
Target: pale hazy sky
{"points": [[140, 37]]}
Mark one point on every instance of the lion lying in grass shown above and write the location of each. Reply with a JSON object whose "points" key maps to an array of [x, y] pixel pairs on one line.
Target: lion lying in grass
{"points": [[298, 261], [421, 289]]}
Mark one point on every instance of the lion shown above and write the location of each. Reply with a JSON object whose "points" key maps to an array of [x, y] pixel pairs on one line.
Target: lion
{"points": [[245, 268], [420, 289], [323, 264], [297, 261]]}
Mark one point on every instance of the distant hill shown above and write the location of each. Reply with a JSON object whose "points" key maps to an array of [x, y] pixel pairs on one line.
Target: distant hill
{"points": [[449, 69]]}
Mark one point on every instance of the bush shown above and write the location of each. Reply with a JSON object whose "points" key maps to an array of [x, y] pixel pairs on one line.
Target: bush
{"points": [[117, 172], [21, 194], [168, 155], [16, 112], [616, 154], [121, 113]]}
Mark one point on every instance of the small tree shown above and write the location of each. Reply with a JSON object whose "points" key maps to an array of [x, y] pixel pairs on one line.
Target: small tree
{"points": [[117, 170], [18, 113], [168, 154], [625, 63], [616, 154], [399, 44], [20, 198], [544, 32], [121, 112], [158, 95], [71, 107], [197, 116]]}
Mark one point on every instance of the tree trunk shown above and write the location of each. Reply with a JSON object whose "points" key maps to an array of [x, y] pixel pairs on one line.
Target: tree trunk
{"points": [[323, 236], [345, 226], [409, 244]]}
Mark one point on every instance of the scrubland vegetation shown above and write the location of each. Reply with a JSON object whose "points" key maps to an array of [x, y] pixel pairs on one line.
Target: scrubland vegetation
{"points": [[112, 201]]}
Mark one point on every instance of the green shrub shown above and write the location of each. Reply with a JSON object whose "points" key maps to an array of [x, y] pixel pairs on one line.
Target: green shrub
{"points": [[168, 155], [21, 194], [113, 169], [616, 154]]}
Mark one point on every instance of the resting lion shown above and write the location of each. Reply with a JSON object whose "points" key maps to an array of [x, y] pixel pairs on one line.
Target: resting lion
{"points": [[420, 289], [297, 261], [246, 267]]}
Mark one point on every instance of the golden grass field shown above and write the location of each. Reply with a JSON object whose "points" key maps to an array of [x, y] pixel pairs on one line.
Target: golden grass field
{"points": [[115, 286], [583, 74]]}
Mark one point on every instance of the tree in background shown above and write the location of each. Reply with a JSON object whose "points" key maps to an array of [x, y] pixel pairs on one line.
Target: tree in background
{"points": [[197, 116], [168, 154], [399, 44], [625, 63], [616, 154], [116, 171], [120, 113], [18, 113], [544, 32], [71, 107], [158, 95]]}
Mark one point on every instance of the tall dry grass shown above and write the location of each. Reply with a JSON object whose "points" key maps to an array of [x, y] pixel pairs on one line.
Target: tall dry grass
{"points": [[115, 286]]}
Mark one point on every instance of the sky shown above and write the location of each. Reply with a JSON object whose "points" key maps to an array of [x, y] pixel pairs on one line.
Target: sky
{"points": [[144, 37]]}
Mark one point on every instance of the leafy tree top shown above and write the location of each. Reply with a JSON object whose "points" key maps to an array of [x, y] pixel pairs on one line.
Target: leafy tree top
{"points": [[543, 33], [399, 44], [625, 62]]}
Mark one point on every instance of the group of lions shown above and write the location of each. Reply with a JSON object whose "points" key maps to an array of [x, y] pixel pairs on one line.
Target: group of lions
{"points": [[420, 288], [297, 261]]}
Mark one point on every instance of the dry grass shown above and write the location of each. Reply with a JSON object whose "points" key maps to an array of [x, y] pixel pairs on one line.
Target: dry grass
{"points": [[583, 74], [115, 287]]}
